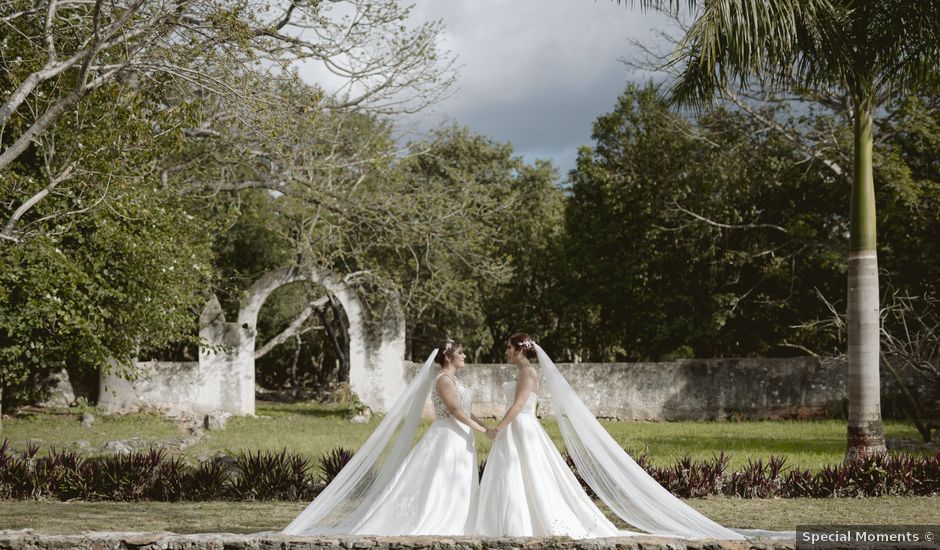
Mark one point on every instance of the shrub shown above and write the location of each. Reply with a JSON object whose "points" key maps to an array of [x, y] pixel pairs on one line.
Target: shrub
{"points": [[272, 476], [332, 462], [265, 475], [208, 480], [126, 477]]}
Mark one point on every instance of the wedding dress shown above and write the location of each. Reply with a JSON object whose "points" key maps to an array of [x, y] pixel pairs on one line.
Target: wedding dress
{"points": [[528, 490], [394, 487], [388, 490]]}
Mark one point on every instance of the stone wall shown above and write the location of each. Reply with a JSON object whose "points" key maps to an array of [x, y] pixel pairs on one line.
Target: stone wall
{"points": [[224, 377], [274, 541], [170, 387], [693, 389], [696, 389]]}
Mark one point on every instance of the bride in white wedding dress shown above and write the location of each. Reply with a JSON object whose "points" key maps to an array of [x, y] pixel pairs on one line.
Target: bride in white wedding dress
{"points": [[528, 490], [386, 490], [395, 487]]}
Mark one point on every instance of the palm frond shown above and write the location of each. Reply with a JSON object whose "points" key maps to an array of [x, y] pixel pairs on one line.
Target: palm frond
{"points": [[661, 5], [862, 46], [903, 44]]}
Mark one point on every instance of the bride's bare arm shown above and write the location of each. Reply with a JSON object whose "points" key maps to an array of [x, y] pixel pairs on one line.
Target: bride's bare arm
{"points": [[525, 385], [448, 393]]}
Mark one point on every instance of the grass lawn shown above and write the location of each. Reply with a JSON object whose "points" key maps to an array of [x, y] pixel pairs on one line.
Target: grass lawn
{"points": [[312, 429], [251, 517], [63, 429]]}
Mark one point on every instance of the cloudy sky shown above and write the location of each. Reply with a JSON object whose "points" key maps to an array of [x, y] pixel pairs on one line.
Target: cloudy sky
{"points": [[535, 73], [538, 72]]}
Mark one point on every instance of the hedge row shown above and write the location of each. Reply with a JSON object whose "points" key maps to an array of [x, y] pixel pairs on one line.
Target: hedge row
{"points": [[264, 475]]}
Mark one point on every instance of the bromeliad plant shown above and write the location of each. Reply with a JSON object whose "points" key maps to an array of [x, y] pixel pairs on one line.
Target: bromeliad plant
{"points": [[265, 475], [272, 476], [332, 462]]}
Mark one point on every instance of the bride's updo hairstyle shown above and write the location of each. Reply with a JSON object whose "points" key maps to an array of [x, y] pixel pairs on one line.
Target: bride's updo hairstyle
{"points": [[445, 350], [523, 342]]}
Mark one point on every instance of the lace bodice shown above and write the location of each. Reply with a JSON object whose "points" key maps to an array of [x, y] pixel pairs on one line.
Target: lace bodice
{"points": [[509, 388], [464, 395]]}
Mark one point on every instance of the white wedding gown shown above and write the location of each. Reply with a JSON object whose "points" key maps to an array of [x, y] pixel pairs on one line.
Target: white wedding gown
{"points": [[429, 494], [392, 487], [528, 490]]}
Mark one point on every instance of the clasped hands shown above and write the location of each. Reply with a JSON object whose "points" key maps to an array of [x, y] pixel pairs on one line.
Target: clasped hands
{"points": [[491, 432]]}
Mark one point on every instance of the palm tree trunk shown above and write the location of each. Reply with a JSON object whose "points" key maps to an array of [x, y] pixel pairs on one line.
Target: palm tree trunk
{"points": [[865, 429]]}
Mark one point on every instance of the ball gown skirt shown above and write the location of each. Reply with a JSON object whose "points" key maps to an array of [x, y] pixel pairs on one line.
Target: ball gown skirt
{"points": [[435, 486], [528, 490]]}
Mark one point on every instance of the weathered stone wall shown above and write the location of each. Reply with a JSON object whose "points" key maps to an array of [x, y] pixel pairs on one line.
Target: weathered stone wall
{"points": [[171, 387], [696, 389], [272, 541], [224, 377], [693, 389]]}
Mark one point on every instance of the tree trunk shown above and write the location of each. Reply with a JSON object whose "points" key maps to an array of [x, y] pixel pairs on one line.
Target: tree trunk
{"points": [[293, 367], [1, 408], [865, 429], [340, 353]]}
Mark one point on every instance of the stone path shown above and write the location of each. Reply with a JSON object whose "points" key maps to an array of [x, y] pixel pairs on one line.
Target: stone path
{"points": [[24, 540]]}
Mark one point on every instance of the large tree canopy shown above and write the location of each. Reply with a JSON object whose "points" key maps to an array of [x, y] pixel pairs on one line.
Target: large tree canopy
{"points": [[128, 128]]}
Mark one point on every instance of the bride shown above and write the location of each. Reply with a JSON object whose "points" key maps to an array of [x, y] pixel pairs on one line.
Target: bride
{"points": [[390, 488], [528, 490], [386, 490]]}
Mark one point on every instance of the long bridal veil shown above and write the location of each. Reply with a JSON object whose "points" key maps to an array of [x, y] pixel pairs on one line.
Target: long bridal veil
{"points": [[618, 480], [352, 495]]}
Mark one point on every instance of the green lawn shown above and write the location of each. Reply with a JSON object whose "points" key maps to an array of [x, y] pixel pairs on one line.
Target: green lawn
{"points": [[64, 429], [251, 517], [313, 429]]}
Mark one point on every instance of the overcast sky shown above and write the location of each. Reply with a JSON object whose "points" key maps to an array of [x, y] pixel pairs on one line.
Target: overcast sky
{"points": [[535, 73], [538, 72]]}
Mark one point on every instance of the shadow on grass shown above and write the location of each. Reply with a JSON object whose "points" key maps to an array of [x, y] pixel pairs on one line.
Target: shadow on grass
{"points": [[310, 408]]}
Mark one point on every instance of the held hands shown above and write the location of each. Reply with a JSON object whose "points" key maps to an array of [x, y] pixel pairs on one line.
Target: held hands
{"points": [[491, 432]]}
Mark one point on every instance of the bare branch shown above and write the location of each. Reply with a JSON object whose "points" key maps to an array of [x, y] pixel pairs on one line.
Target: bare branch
{"points": [[7, 232], [292, 329], [726, 225]]}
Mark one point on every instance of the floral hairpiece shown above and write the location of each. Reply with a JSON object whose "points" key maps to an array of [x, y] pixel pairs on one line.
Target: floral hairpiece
{"points": [[449, 346], [528, 344]]}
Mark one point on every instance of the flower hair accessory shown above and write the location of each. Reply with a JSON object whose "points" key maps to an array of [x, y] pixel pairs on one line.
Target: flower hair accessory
{"points": [[528, 344]]}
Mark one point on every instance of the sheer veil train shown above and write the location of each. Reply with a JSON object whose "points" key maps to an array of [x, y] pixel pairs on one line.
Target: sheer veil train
{"points": [[618, 480], [352, 495]]}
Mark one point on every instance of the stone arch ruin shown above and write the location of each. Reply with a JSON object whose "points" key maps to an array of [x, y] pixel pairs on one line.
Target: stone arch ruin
{"points": [[224, 377]]}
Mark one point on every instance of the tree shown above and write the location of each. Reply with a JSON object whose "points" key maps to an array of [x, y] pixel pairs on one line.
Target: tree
{"points": [[59, 53], [119, 279], [424, 223], [494, 272], [652, 275], [102, 282], [868, 49], [109, 104]]}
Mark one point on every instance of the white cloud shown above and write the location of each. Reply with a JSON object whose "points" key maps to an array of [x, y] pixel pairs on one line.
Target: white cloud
{"points": [[538, 72], [533, 72]]}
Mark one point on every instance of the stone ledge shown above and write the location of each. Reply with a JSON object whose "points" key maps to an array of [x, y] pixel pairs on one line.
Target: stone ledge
{"points": [[273, 541]]}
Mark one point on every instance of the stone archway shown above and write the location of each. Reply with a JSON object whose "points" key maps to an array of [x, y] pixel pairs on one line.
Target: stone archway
{"points": [[224, 377], [376, 347]]}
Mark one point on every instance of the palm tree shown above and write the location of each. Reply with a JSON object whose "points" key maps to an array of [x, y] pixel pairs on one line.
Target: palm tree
{"points": [[868, 49]]}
